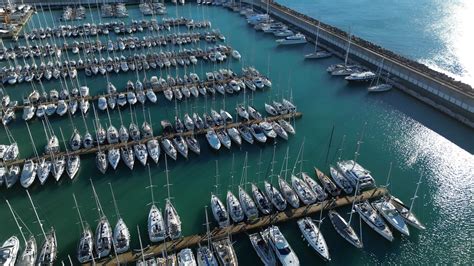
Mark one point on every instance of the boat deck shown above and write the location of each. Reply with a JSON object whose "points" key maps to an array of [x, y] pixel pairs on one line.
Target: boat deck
{"points": [[264, 221]]}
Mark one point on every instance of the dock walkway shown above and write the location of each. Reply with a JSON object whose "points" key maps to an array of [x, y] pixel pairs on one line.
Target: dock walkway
{"points": [[217, 233], [106, 147]]}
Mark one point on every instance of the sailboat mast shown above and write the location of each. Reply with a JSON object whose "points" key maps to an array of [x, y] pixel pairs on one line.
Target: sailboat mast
{"points": [[272, 163], [37, 216], [151, 186], [32, 141], [348, 48], [16, 221], [167, 178], [354, 201], [97, 202], [416, 191], [207, 228], [115, 202], [217, 178], [78, 211], [387, 183], [141, 245]]}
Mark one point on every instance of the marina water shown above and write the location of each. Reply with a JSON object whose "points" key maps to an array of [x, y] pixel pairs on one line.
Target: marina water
{"points": [[417, 139]]}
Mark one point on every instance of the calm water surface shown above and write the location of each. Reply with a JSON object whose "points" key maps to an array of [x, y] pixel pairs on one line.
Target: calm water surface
{"points": [[418, 140]]}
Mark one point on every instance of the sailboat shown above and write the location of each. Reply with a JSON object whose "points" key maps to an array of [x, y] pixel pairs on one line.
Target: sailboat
{"points": [[379, 87], [314, 186], [121, 235], [233, 205], [9, 251], [290, 195], [152, 145], [263, 203], [101, 159], [204, 254], [385, 207], [103, 232], [48, 250], [248, 205], [317, 54], [28, 257], [373, 219], [327, 183], [314, 237], [173, 221], [85, 246], [225, 252], [343, 228], [272, 192], [156, 226], [406, 212], [218, 209], [263, 249], [73, 162]]}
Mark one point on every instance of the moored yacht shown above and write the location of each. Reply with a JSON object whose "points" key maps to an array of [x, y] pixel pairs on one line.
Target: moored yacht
{"points": [[389, 212], [289, 194], [280, 245], [313, 185], [340, 180], [327, 183], [225, 252], [263, 249], [263, 203], [294, 39], [220, 213], [275, 196], [248, 206], [406, 213], [314, 237], [306, 195], [373, 219], [186, 258], [344, 229], [235, 209]]}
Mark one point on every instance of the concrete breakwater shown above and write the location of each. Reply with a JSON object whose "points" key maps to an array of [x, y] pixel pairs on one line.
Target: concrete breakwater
{"points": [[442, 92]]}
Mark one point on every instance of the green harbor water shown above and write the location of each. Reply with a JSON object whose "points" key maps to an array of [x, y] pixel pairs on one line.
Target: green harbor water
{"points": [[417, 139]]}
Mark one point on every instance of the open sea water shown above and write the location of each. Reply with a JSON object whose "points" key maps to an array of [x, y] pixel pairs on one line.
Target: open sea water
{"points": [[398, 129]]}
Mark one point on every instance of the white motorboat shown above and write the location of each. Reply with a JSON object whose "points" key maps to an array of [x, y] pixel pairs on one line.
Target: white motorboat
{"points": [[390, 213], [186, 258], [314, 237], [365, 76], [380, 87], [280, 246], [294, 39], [344, 229], [373, 219], [235, 209]]}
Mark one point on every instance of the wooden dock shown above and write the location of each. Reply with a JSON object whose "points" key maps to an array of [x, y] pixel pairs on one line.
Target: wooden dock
{"points": [[217, 233], [157, 89], [119, 145]]}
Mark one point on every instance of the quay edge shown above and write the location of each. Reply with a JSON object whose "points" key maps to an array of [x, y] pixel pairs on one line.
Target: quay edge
{"points": [[436, 89]]}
